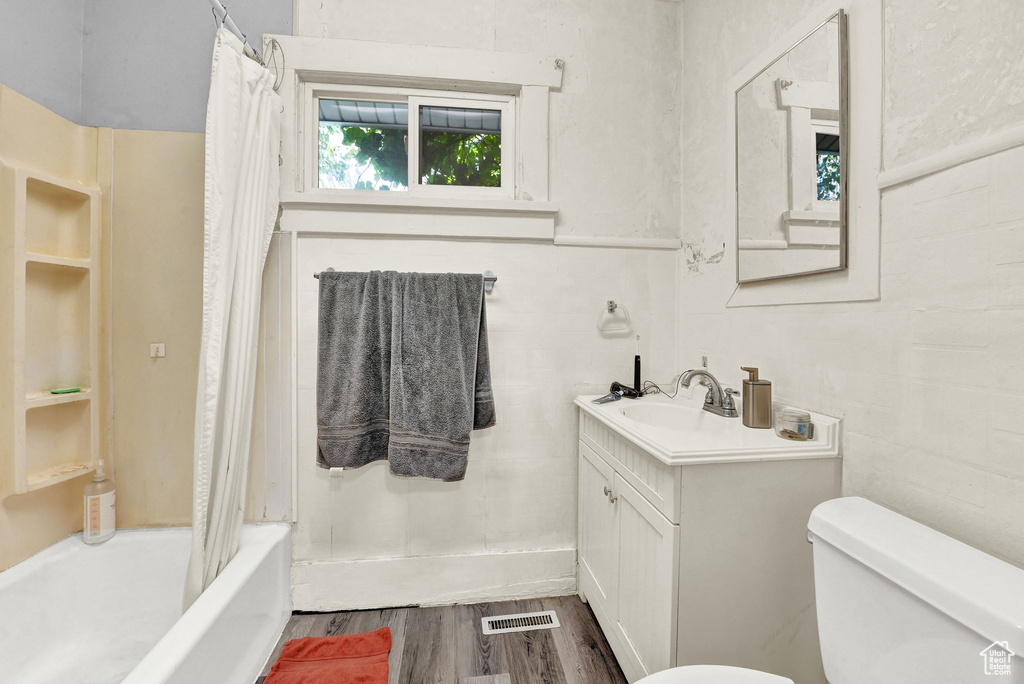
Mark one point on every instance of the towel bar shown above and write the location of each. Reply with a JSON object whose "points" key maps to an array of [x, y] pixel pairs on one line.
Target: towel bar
{"points": [[489, 279]]}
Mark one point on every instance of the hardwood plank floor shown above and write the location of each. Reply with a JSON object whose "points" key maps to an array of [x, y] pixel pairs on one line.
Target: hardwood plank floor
{"points": [[429, 649], [475, 654], [532, 656], [445, 644], [582, 648]]}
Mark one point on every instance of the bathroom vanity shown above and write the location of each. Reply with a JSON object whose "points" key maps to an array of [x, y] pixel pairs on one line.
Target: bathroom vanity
{"points": [[693, 536]]}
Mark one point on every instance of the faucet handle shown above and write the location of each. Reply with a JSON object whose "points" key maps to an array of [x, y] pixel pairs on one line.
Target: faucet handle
{"points": [[727, 394]]}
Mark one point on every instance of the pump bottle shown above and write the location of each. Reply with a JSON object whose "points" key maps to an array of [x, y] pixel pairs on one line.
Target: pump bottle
{"points": [[98, 525]]}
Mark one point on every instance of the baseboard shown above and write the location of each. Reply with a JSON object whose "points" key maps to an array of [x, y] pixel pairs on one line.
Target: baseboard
{"points": [[330, 585]]}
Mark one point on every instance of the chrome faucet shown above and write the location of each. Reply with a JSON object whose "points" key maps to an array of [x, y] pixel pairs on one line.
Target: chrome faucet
{"points": [[718, 401]]}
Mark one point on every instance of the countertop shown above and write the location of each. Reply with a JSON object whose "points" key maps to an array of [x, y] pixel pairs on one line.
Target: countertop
{"points": [[703, 437]]}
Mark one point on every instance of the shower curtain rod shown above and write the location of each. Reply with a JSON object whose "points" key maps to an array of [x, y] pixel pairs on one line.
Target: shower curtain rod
{"points": [[220, 13]]}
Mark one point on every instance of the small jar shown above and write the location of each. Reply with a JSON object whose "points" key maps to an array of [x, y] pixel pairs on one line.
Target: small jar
{"points": [[791, 423]]}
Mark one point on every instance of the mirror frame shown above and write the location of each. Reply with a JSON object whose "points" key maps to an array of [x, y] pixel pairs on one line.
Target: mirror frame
{"points": [[844, 146]]}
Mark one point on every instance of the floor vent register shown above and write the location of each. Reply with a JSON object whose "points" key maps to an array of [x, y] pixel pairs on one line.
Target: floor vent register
{"points": [[521, 622]]}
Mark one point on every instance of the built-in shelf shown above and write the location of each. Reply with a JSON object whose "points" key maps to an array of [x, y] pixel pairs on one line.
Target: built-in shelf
{"points": [[386, 215], [55, 475], [61, 262], [38, 399], [57, 327], [58, 442], [396, 202], [57, 218], [49, 305]]}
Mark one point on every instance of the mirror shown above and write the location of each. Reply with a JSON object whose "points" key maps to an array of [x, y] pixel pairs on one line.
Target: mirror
{"points": [[792, 148]]}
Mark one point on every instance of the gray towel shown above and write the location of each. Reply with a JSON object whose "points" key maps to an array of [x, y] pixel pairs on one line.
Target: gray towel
{"points": [[403, 371]]}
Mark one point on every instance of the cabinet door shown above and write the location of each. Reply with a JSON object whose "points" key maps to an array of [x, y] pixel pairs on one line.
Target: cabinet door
{"points": [[598, 533], [646, 598]]}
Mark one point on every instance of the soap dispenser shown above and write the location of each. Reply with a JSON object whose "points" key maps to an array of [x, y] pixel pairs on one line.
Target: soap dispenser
{"points": [[99, 509], [757, 400]]}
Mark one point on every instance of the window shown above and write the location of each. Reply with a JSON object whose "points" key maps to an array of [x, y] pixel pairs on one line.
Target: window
{"points": [[362, 145], [826, 151], [418, 142], [460, 146], [470, 128]]}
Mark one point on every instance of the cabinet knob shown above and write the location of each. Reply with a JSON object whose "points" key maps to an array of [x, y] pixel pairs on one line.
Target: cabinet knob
{"points": [[607, 491]]}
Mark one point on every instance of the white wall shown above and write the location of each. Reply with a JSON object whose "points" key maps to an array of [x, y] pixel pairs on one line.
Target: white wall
{"points": [[147, 62], [41, 52], [929, 379], [954, 72], [614, 123], [138, 64], [510, 527]]}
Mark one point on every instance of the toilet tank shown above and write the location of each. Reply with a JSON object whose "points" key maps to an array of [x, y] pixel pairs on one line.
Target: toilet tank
{"points": [[899, 603]]}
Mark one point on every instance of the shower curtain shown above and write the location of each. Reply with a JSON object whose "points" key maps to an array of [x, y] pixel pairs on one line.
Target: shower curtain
{"points": [[242, 143]]}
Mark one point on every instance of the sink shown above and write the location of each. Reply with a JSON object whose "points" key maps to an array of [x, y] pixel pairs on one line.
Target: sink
{"points": [[664, 416], [680, 432]]}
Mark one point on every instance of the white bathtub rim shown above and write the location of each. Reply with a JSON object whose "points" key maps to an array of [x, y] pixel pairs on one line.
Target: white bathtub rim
{"points": [[72, 542], [174, 647]]}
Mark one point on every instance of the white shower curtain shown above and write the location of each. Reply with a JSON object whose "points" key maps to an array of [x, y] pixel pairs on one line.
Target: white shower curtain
{"points": [[242, 144]]}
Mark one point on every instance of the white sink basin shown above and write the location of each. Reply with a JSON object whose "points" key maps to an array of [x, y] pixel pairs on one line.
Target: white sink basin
{"points": [[664, 416], [680, 432]]}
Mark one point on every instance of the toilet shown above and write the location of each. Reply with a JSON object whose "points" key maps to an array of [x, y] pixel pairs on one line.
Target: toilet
{"points": [[899, 603], [713, 674]]}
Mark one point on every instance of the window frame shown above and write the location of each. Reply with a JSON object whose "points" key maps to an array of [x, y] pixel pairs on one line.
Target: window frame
{"points": [[414, 98]]}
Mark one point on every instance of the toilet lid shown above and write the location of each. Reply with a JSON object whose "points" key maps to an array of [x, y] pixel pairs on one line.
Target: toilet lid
{"points": [[712, 674]]}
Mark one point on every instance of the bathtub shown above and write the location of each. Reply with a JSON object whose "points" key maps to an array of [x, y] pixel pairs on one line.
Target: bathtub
{"points": [[112, 612]]}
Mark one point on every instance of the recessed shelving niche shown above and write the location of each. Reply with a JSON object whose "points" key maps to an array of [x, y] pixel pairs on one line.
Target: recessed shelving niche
{"points": [[50, 270], [57, 327], [56, 437], [57, 219]]}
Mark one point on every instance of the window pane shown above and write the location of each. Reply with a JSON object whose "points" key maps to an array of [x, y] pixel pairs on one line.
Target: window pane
{"points": [[827, 163], [363, 145], [460, 146]]}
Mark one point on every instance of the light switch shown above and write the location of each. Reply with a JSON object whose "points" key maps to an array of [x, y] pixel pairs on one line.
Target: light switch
{"points": [[157, 351]]}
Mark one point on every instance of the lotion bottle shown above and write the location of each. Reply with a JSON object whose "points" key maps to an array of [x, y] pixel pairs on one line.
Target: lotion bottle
{"points": [[98, 525]]}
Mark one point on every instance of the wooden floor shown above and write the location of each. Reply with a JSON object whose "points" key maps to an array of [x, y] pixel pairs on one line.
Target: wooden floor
{"points": [[445, 645]]}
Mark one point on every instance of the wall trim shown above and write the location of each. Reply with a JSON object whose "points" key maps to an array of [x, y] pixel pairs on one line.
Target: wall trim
{"points": [[277, 358], [956, 155], [334, 585], [333, 200], [621, 242], [317, 57], [763, 244]]}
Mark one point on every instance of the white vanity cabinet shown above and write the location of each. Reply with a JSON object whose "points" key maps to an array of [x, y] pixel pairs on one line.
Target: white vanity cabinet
{"points": [[627, 566], [699, 562]]}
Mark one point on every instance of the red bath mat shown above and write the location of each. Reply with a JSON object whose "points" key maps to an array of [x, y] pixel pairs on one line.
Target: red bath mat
{"points": [[344, 659]]}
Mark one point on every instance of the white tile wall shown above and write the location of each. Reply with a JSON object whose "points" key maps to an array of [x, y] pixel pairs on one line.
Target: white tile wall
{"points": [[930, 379], [520, 489]]}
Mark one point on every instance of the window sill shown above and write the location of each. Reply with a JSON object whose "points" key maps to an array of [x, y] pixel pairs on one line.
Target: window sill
{"points": [[396, 216]]}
